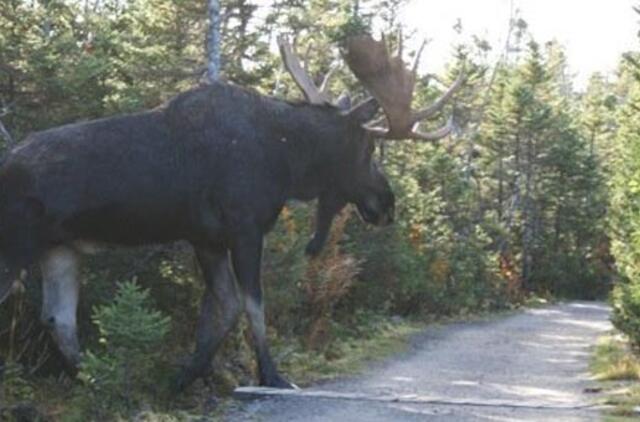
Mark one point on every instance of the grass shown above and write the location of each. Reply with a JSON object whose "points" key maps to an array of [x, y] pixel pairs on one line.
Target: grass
{"points": [[613, 361], [376, 340], [618, 368], [347, 356]]}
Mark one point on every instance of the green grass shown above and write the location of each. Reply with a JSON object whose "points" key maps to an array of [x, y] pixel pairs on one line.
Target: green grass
{"points": [[618, 368], [613, 361], [346, 356], [620, 418], [535, 302]]}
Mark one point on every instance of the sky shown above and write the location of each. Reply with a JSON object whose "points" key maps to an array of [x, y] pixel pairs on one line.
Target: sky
{"points": [[594, 32]]}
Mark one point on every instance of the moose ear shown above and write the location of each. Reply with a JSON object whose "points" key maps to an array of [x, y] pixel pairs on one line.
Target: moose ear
{"points": [[365, 111]]}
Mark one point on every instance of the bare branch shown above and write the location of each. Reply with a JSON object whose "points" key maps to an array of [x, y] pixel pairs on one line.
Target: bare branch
{"points": [[400, 43], [7, 136], [306, 57], [324, 88]]}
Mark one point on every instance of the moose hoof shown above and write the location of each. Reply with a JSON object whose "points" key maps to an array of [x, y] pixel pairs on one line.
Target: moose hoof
{"points": [[277, 381]]}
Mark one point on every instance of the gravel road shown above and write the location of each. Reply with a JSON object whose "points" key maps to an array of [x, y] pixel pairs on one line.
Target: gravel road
{"points": [[532, 366]]}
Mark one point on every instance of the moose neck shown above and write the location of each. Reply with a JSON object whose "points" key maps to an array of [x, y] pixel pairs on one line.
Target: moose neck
{"points": [[313, 150], [304, 142]]}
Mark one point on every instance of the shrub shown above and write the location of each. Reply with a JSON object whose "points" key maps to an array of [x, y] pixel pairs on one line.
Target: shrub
{"points": [[14, 388], [329, 279], [118, 376], [626, 311]]}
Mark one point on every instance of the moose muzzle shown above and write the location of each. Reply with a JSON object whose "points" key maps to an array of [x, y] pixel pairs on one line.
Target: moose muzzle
{"points": [[372, 212]]}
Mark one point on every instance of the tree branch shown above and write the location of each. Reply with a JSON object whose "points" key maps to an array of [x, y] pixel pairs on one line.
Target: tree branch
{"points": [[7, 136]]}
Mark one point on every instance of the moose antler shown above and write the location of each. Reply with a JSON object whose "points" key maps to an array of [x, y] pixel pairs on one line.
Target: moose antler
{"points": [[386, 77], [392, 84], [312, 93]]}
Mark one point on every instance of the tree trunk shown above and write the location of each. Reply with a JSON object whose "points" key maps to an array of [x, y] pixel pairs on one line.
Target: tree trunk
{"points": [[213, 42], [4, 133], [527, 218]]}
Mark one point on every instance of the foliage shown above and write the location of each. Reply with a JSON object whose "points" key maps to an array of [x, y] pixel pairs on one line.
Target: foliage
{"points": [[545, 184], [626, 311], [14, 388], [612, 361], [624, 208], [131, 336]]}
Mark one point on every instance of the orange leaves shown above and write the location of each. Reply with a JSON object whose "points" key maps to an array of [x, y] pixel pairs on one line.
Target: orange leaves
{"points": [[328, 279], [440, 269], [288, 221], [509, 272], [416, 235]]}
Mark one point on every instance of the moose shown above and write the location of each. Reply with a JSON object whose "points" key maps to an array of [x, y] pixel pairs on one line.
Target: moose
{"points": [[214, 166]]}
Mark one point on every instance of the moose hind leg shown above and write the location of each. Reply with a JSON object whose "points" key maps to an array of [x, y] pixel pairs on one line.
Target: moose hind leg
{"points": [[60, 289], [246, 257], [219, 312]]}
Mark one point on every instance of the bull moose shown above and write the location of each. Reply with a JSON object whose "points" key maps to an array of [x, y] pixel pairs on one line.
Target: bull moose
{"points": [[213, 166]]}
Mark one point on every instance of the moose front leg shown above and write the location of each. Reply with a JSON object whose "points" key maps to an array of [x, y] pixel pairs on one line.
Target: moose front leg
{"points": [[60, 289], [328, 207], [246, 255]]}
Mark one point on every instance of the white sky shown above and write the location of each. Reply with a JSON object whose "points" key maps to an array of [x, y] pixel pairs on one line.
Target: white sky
{"points": [[594, 32]]}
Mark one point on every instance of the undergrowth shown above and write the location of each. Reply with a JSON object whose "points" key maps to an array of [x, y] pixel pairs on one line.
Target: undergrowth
{"points": [[618, 368]]}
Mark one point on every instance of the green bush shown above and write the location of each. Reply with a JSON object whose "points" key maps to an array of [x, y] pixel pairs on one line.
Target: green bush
{"points": [[14, 388], [117, 377], [626, 311]]}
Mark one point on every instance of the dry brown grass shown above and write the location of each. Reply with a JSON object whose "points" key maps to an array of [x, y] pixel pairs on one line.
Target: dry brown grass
{"points": [[328, 279]]}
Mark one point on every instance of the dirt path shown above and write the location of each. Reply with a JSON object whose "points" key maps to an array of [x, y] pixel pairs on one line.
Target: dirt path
{"points": [[530, 366]]}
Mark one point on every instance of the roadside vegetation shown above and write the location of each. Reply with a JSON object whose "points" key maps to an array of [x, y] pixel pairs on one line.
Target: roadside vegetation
{"points": [[536, 196], [617, 368], [620, 358]]}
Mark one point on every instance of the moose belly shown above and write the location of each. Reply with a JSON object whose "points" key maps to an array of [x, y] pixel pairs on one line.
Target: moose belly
{"points": [[128, 225]]}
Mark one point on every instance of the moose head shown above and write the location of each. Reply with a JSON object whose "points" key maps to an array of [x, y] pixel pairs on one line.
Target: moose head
{"points": [[391, 84]]}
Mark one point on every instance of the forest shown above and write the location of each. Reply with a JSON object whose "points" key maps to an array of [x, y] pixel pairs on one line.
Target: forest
{"points": [[534, 196]]}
